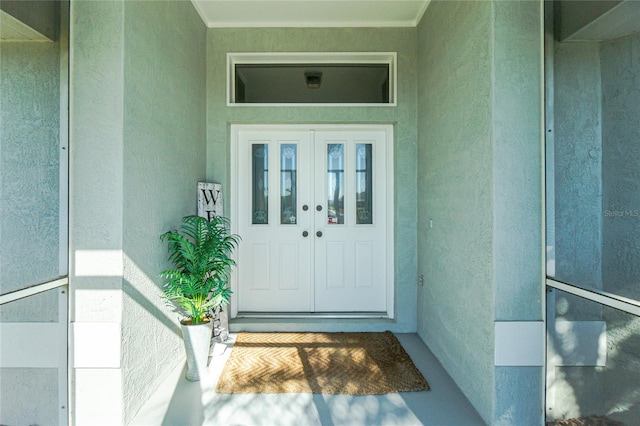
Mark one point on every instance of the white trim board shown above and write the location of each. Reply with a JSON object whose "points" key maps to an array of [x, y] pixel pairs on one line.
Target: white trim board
{"points": [[519, 343]]}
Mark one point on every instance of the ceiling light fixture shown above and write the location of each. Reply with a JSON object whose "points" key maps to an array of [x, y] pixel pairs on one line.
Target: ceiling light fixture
{"points": [[313, 78]]}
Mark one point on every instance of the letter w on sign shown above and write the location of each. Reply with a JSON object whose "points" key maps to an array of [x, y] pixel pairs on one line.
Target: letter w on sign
{"points": [[210, 200]]}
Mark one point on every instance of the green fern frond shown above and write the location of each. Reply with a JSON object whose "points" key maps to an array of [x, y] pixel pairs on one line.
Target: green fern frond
{"points": [[201, 254]]}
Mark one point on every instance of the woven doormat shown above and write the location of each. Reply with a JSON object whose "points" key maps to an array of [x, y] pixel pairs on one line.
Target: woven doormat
{"points": [[586, 421], [329, 363]]}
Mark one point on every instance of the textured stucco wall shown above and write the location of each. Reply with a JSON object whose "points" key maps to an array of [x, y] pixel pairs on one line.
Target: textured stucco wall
{"points": [[619, 393], [480, 194], [29, 214], [517, 196], [138, 148], [597, 219], [30, 161], [164, 158], [620, 67], [517, 159], [219, 116], [578, 213], [620, 64], [578, 163], [578, 210], [96, 202], [41, 384], [456, 304]]}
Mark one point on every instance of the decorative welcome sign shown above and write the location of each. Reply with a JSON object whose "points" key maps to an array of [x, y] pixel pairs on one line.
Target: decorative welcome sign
{"points": [[209, 206], [210, 200]]}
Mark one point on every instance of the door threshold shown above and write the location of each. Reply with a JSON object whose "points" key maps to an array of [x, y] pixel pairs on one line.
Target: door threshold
{"points": [[312, 315]]}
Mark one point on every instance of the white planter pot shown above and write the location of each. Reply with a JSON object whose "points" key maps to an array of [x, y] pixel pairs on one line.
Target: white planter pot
{"points": [[197, 339]]}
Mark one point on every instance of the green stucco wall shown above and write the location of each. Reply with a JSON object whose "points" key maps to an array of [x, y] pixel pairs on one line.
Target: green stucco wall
{"points": [[138, 150], [164, 158], [479, 192], [578, 163], [403, 116], [596, 189], [30, 163], [518, 196], [42, 408], [456, 307], [29, 215], [620, 68], [96, 199]]}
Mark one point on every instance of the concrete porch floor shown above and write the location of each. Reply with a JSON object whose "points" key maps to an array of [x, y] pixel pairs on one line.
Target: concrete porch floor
{"points": [[179, 402]]}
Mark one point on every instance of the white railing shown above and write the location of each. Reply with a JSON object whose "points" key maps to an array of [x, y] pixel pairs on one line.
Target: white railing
{"points": [[35, 289], [624, 304]]}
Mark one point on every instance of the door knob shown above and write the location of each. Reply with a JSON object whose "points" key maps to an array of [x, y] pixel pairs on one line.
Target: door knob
{"points": [[319, 234], [305, 207], [305, 234], [319, 207]]}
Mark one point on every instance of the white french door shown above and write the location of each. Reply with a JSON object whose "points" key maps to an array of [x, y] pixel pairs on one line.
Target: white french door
{"points": [[314, 213], [275, 264]]}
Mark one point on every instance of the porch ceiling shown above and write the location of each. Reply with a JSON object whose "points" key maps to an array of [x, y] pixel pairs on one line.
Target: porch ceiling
{"points": [[311, 13]]}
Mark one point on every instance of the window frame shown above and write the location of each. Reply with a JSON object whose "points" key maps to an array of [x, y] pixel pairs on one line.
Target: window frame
{"points": [[328, 58]]}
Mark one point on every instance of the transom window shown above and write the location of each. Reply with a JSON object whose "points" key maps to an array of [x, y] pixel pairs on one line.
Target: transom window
{"points": [[311, 79]]}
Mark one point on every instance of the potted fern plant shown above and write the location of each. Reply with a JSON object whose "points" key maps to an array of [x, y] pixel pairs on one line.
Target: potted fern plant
{"points": [[201, 256]]}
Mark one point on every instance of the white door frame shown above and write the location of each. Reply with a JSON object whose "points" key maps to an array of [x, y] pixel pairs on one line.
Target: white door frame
{"points": [[235, 208]]}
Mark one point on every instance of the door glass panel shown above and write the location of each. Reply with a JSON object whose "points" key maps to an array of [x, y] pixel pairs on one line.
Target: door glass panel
{"points": [[364, 187], [288, 185], [335, 180], [260, 184]]}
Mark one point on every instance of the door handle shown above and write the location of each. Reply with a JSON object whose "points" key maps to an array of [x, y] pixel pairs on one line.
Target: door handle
{"points": [[319, 234], [305, 234], [319, 207], [305, 207]]}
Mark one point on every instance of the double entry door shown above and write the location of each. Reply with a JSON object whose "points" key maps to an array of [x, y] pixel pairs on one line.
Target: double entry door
{"points": [[313, 212]]}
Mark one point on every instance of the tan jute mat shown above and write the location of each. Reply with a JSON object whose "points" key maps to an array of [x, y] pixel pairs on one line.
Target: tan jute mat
{"points": [[586, 421], [329, 363]]}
